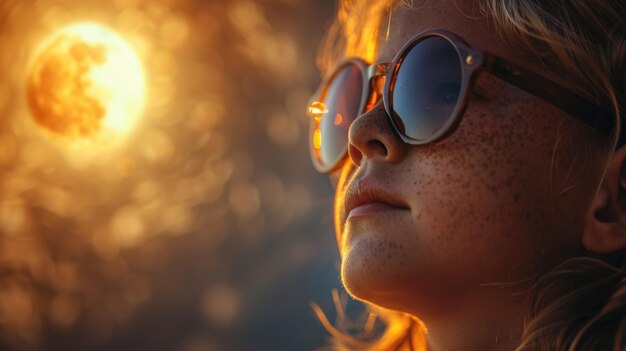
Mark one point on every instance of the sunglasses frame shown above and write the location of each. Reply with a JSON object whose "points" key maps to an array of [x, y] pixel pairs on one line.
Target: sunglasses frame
{"points": [[321, 94], [473, 62]]}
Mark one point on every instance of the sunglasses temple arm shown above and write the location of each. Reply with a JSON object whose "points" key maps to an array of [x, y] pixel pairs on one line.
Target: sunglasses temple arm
{"points": [[566, 100]]}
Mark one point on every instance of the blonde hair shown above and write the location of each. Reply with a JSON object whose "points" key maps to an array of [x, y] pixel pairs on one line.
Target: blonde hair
{"points": [[580, 305]]}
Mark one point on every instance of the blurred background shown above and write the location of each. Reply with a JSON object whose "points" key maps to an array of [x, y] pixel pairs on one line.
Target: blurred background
{"points": [[198, 224]]}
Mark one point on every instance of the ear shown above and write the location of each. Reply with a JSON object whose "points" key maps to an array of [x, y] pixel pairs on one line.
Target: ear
{"points": [[605, 225]]}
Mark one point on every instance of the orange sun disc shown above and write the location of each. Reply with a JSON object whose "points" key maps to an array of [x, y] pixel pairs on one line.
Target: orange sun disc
{"points": [[85, 81]]}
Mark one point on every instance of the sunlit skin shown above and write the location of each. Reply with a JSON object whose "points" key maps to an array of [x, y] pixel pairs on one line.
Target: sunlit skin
{"points": [[84, 81], [504, 198]]}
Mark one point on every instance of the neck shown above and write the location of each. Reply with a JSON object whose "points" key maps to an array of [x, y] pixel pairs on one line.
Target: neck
{"points": [[489, 322]]}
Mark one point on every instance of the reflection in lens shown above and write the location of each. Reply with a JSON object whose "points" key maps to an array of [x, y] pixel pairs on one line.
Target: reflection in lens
{"points": [[342, 100], [427, 88]]}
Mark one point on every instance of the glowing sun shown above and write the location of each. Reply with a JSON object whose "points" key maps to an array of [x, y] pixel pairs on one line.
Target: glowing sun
{"points": [[85, 81]]}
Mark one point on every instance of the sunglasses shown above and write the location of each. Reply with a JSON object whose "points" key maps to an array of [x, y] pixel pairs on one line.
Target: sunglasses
{"points": [[425, 91]]}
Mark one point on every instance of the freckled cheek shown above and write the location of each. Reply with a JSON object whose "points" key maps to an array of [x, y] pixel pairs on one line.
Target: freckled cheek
{"points": [[479, 239], [478, 216]]}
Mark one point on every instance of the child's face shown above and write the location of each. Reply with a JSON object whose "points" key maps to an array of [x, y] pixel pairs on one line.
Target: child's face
{"points": [[502, 198]]}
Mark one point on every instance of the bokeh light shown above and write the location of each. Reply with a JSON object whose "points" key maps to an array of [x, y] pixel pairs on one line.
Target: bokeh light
{"points": [[185, 215]]}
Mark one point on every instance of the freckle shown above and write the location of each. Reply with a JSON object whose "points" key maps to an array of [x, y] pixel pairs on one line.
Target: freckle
{"points": [[402, 263], [389, 256]]}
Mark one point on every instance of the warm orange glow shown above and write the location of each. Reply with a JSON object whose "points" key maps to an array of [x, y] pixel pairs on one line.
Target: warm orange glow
{"points": [[362, 31], [317, 139], [338, 119], [317, 110], [85, 80]]}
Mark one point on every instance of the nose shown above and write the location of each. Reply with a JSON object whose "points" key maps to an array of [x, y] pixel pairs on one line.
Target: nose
{"points": [[371, 137]]}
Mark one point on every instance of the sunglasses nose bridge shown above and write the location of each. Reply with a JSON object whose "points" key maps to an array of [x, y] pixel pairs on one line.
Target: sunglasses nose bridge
{"points": [[376, 75]]}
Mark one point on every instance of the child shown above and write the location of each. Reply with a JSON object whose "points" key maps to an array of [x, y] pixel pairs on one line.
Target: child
{"points": [[479, 170]]}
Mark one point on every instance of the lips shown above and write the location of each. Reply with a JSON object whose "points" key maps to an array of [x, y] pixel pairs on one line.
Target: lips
{"points": [[365, 195]]}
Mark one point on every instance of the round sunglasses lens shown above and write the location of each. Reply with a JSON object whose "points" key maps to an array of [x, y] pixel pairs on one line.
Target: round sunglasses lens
{"points": [[427, 87], [342, 101]]}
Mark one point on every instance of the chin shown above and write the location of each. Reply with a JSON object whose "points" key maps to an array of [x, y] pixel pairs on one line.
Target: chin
{"points": [[371, 273]]}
